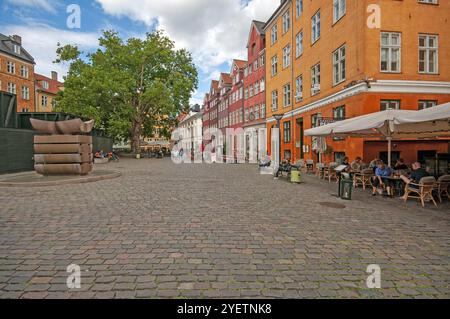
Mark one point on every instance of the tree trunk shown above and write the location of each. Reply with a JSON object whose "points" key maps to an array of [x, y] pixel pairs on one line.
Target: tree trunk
{"points": [[136, 137]]}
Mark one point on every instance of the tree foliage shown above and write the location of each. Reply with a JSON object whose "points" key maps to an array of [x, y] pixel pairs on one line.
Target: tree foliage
{"points": [[129, 88]]}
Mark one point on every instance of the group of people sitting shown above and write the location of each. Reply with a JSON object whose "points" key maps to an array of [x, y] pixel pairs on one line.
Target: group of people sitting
{"points": [[383, 173]]}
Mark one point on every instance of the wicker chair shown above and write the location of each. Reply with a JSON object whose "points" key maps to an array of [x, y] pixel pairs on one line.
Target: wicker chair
{"points": [[443, 185], [363, 178], [320, 170], [329, 172], [422, 191]]}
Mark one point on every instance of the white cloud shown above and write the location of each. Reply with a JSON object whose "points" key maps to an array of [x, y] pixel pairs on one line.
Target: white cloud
{"points": [[47, 5], [41, 42], [214, 31]]}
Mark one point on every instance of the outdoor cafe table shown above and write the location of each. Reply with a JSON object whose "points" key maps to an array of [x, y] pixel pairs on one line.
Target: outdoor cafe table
{"points": [[399, 185]]}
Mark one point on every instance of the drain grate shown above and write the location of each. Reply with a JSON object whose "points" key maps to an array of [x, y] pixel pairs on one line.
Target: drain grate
{"points": [[332, 205]]}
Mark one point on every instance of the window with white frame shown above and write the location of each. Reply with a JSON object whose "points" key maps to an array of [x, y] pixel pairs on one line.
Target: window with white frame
{"points": [[426, 104], [44, 101], [246, 94], [389, 105], [262, 60], [428, 53], [274, 34], [257, 112], [299, 44], [315, 79], [16, 49], [250, 91], [45, 85], [256, 88], [262, 85], [11, 67], [391, 43], [274, 65], [25, 92], [24, 71], [11, 88], [274, 100], [286, 56], [263, 111], [315, 27], [246, 115], [428, 1], [286, 21], [339, 8], [299, 88], [339, 65], [287, 95], [298, 7]]}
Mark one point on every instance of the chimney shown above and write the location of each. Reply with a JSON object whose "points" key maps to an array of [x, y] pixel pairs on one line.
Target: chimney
{"points": [[54, 76], [17, 39]]}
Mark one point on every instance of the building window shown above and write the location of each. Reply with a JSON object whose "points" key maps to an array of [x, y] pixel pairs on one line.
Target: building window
{"points": [[274, 65], [16, 49], [391, 43], [11, 88], [339, 113], [286, 21], [315, 27], [275, 100], [299, 89], [274, 34], [287, 95], [339, 65], [44, 101], [428, 53], [390, 105], [287, 132], [263, 111], [339, 9], [262, 85], [246, 94], [286, 56], [428, 1], [257, 112], [256, 88], [426, 104], [315, 79], [315, 119], [11, 67], [45, 85], [250, 91], [262, 60], [298, 7], [24, 71], [25, 93], [299, 44]]}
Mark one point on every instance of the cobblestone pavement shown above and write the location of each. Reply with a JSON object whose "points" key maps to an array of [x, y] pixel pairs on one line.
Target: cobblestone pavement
{"points": [[212, 231]]}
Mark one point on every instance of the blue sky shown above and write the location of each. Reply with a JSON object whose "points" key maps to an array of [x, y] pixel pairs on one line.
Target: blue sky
{"points": [[215, 31]]}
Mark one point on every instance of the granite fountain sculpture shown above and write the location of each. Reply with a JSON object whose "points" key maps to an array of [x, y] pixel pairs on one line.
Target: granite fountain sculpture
{"points": [[63, 148]]}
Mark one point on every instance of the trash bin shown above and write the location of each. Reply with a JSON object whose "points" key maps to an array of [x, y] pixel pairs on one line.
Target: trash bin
{"points": [[345, 188], [295, 176]]}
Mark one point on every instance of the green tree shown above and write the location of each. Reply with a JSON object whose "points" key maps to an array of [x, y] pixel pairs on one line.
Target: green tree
{"points": [[128, 88]]}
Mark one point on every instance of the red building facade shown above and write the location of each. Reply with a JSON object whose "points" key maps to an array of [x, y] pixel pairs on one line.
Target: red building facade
{"points": [[254, 90]]}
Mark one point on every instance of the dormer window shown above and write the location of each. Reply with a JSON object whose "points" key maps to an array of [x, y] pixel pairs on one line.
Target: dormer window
{"points": [[16, 49], [45, 85]]}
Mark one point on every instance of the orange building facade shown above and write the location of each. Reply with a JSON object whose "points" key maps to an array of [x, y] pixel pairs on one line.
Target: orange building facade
{"points": [[17, 72], [329, 60]]}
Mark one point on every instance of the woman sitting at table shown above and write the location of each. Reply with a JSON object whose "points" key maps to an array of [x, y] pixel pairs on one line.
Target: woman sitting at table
{"points": [[382, 172]]}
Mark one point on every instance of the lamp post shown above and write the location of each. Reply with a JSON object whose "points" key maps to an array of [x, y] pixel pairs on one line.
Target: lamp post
{"points": [[278, 118]]}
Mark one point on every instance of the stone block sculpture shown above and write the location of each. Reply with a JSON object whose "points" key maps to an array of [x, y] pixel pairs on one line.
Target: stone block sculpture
{"points": [[62, 149]]}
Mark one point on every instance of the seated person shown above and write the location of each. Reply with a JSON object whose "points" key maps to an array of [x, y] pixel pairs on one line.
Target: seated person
{"points": [[346, 162], [265, 162], [373, 164], [380, 179], [400, 165], [357, 164], [417, 174]]}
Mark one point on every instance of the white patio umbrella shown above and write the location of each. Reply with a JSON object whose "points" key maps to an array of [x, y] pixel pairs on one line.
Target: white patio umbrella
{"points": [[391, 124]]}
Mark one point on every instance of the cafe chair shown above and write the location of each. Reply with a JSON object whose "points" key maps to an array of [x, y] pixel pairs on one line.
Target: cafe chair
{"points": [[363, 178], [422, 191], [443, 185], [309, 166], [320, 170], [329, 172]]}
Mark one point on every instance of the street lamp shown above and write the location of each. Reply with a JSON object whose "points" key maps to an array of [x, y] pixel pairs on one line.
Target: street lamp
{"points": [[278, 118]]}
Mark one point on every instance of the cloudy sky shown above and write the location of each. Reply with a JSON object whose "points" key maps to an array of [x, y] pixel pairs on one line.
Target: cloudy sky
{"points": [[215, 31]]}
